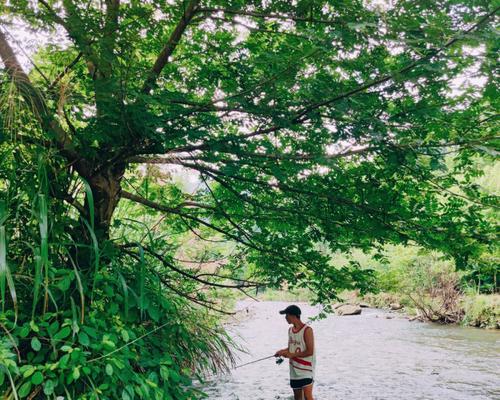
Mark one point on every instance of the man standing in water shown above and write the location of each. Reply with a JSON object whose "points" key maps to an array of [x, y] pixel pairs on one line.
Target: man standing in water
{"points": [[301, 353]]}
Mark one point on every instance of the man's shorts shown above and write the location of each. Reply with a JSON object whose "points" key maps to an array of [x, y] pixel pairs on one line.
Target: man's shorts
{"points": [[300, 383]]}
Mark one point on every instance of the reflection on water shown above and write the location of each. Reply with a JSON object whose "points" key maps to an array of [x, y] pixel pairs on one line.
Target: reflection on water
{"points": [[366, 357]]}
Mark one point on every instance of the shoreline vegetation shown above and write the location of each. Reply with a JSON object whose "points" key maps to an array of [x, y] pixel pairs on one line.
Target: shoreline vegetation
{"points": [[476, 310], [422, 284]]}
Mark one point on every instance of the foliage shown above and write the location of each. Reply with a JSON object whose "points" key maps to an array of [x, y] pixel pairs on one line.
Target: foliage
{"points": [[120, 329], [299, 295], [321, 123], [482, 311]]}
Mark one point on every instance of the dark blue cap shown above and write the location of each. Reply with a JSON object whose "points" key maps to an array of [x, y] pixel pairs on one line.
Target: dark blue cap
{"points": [[292, 310]]}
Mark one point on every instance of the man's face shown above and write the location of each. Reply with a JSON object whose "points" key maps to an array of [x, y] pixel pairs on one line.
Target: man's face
{"points": [[288, 318]]}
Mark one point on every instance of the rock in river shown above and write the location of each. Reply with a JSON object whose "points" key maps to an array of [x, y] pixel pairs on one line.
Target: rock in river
{"points": [[348, 309]]}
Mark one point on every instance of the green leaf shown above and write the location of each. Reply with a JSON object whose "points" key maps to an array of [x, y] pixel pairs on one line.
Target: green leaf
{"points": [[48, 387], [83, 339], [125, 395], [109, 369], [164, 372], [63, 333], [63, 361], [37, 378], [35, 344], [53, 328], [34, 327], [25, 330], [125, 335], [25, 389], [27, 370]]}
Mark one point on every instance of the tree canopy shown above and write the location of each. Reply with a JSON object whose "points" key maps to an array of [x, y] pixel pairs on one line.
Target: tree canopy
{"points": [[306, 124]]}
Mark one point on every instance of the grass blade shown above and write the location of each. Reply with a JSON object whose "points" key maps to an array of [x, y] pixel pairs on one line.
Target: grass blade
{"points": [[5, 275], [142, 279], [37, 282], [95, 246], [90, 200], [3, 265], [43, 222], [125, 294], [74, 322], [14, 391], [80, 288]]}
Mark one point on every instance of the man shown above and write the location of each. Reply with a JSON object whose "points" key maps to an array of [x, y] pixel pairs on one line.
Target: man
{"points": [[301, 353]]}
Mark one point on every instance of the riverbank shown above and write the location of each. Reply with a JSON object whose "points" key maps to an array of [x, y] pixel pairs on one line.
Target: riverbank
{"points": [[479, 311]]}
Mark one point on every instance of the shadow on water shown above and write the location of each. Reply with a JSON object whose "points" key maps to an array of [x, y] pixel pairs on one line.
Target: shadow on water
{"points": [[366, 357]]}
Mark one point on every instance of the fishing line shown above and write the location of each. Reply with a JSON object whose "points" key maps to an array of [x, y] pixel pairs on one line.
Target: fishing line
{"points": [[278, 361]]}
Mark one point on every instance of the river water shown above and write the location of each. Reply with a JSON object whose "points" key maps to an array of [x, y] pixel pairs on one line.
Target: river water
{"points": [[365, 357]]}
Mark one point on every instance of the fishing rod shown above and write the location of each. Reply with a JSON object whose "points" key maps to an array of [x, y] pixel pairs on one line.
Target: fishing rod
{"points": [[278, 361]]}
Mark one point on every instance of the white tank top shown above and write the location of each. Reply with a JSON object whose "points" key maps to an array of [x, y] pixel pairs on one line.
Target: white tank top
{"points": [[302, 367]]}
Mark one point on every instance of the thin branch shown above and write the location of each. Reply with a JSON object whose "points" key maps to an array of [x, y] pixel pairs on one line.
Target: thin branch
{"points": [[221, 210], [376, 82], [192, 230], [65, 71], [73, 202], [171, 45], [138, 199], [59, 20], [159, 257], [202, 302], [171, 210], [271, 16]]}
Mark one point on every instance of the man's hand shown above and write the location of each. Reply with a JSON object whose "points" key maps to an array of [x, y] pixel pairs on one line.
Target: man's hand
{"points": [[282, 353]]}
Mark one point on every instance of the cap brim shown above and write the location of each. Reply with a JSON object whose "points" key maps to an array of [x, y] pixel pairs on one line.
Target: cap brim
{"points": [[283, 312]]}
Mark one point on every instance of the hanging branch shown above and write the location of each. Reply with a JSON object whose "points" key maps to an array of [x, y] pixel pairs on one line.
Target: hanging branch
{"points": [[242, 283], [65, 71]]}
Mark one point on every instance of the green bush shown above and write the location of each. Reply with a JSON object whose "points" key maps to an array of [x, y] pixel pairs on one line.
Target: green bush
{"points": [[88, 319], [482, 311], [106, 354]]}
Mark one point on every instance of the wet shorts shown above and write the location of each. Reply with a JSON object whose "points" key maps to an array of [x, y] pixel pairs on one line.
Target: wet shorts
{"points": [[300, 383]]}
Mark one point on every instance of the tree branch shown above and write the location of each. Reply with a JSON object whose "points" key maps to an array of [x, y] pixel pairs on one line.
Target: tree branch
{"points": [[65, 71], [431, 53], [270, 16], [160, 207], [159, 257], [171, 45]]}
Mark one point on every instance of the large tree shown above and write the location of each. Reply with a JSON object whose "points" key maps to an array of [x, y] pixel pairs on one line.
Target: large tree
{"points": [[308, 124]]}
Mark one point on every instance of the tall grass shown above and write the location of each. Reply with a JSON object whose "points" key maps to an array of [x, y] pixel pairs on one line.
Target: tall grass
{"points": [[83, 298], [6, 281]]}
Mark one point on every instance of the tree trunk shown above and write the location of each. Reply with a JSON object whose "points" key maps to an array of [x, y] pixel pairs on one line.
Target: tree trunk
{"points": [[106, 188]]}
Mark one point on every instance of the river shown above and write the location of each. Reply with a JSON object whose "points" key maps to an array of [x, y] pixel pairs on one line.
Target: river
{"points": [[365, 357]]}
